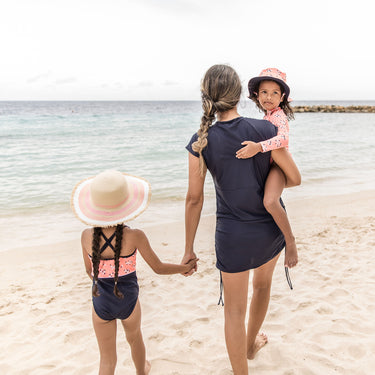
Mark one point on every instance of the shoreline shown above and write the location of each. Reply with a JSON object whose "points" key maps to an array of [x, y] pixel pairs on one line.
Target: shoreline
{"points": [[46, 303], [176, 215]]}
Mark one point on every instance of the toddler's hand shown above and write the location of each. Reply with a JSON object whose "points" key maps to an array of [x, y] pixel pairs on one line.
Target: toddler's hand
{"points": [[249, 150]]}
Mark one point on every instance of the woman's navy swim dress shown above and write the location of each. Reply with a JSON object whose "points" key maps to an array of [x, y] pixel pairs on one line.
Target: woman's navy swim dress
{"points": [[246, 234]]}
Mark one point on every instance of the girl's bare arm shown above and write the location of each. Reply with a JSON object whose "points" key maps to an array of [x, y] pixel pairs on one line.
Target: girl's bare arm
{"points": [[85, 239], [143, 245]]}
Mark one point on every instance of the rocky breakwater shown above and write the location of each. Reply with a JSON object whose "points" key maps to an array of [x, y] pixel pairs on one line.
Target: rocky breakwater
{"points": [[334, 108]]}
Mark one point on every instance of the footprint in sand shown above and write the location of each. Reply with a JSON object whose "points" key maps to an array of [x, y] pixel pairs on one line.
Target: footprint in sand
{"points": [[196, 344], [157, 337], [356, 351]]}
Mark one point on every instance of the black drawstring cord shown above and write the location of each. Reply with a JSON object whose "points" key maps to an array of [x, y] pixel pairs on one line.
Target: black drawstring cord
{"points": [[221, 300], [221, 292], [288, 278]]}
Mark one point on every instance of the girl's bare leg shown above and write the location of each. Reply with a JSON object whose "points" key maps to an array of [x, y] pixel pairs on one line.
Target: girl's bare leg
{"points": [[132, 327], [106, 335], [274, 187], [235, 297]]}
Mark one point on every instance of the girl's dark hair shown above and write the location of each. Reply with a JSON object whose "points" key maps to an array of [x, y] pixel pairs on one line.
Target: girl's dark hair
{"points": [[221, 91], [284, 104], [96, 258]]}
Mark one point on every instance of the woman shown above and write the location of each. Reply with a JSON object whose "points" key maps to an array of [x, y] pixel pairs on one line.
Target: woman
{"points": [[246, 235]]}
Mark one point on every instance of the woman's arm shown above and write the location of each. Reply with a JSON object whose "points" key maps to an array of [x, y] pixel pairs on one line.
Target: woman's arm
{"points": [[286, 163], [193, 206], [149, 255]]}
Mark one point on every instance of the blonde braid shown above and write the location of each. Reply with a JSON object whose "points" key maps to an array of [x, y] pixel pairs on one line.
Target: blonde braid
{"points": [[209, 111], [221, 91]]}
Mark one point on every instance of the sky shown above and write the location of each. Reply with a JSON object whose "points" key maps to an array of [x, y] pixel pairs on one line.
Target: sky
{"points": [[160, 49]]}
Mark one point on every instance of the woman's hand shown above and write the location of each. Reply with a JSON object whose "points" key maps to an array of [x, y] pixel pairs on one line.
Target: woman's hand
{"points": [[190, 259], [249, 150]]}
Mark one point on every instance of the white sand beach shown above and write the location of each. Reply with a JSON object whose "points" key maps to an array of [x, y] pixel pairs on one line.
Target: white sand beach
{"points": [[324, 326]]}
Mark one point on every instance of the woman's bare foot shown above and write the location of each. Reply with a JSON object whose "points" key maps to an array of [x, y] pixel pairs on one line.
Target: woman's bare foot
{"points": [[147, 367], [291, 254], [260, 341]]}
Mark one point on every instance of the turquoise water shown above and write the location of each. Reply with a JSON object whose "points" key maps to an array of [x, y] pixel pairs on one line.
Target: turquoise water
{"points": [[46, 147]]}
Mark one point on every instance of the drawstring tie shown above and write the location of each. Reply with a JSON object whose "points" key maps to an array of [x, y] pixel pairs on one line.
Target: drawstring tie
{"points": [[221, 291], [288, 278], [221, 300]]}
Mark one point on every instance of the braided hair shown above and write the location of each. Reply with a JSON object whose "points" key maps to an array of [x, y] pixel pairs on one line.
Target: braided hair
{"points": [[119, 232], [96, 258], [220, 92]]}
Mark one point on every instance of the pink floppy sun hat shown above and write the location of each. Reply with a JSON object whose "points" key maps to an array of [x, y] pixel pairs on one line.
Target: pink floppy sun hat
{"points": [[270, 74], [110, 198]]}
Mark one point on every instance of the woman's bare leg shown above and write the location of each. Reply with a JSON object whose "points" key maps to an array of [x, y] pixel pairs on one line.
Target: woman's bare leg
{"points": [[132, 327], [235, 297], [106, 336], [262, 281], [274, 187]]}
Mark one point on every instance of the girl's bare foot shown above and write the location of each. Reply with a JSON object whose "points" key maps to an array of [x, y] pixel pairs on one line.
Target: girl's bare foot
{"points": [[291, 254], [260, 341]]}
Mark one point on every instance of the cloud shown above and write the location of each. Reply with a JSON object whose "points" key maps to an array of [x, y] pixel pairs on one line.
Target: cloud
{"points": [[170, 83], [180, 6], [39, 77], [144, 84], [66, 81]]}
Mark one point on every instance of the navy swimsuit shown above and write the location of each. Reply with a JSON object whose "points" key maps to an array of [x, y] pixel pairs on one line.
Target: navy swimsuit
{"points": [[107, 306]]}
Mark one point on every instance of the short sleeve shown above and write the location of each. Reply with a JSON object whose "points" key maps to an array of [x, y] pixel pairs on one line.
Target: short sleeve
{"points": [[189, 147]]}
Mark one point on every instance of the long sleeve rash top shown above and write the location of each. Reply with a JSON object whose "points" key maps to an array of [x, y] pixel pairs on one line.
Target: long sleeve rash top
{"points": [[279, 119]]}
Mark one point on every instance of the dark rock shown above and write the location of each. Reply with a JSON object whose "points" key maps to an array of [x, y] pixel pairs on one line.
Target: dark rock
{"points": [[334, 108]]}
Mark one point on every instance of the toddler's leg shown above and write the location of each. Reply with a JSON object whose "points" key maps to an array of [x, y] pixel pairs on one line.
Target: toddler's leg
{"points": [[275, 184], [132, 327]]}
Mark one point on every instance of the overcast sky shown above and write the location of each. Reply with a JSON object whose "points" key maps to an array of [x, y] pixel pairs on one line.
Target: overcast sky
{"points": [[160, 49]]}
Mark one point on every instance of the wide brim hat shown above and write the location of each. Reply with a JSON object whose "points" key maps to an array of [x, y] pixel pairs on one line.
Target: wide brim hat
{"points": [[110, 198], [269, 74]]}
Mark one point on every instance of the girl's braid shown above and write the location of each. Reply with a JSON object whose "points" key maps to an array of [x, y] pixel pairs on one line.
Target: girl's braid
{"points": [[95, 259], [119, 232]]}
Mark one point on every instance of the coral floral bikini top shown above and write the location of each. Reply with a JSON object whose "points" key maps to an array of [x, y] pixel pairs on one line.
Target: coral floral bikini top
{"points": [[127, 264]]}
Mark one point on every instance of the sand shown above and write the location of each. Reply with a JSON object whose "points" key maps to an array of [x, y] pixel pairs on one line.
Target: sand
{"points": [[324, 326]]}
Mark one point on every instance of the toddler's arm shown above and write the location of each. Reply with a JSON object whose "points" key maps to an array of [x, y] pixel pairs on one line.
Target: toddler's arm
{"points": [[280, 120], [282, 138]]}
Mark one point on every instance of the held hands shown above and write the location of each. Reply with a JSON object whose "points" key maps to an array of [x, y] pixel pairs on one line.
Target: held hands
{"points": [[190, 262], [249, 150]]}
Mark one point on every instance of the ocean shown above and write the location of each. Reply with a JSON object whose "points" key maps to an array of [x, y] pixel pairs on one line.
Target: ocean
{"points": [[47, 147]]}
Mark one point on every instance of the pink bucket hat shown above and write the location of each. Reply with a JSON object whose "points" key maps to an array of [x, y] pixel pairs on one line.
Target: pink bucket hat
{"points": [[110, 198], [270, 74]]}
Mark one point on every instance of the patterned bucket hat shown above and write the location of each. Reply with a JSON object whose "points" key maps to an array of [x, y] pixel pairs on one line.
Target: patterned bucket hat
{"points": [[269, 74]]}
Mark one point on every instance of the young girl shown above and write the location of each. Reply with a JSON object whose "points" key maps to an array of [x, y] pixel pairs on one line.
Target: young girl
{"points": [[109, 249], [270, 93]]}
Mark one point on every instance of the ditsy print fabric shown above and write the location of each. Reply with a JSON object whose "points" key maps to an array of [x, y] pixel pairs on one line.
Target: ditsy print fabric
{"points": [[279, 119], [126, 265]]}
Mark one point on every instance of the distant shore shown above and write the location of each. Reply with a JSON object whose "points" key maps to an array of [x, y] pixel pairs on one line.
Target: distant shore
{"points": [[335, 108]]}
